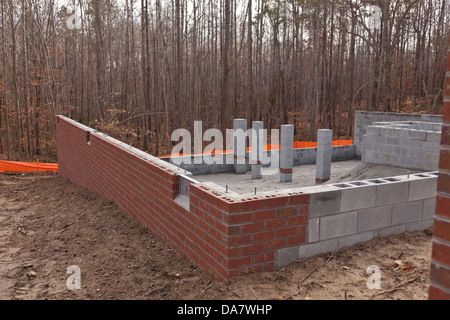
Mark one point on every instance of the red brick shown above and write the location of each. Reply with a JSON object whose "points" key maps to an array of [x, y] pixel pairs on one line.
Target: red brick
{"points": [[276, 202], [446, 134], [299, 220], [442, 230], [234, 230], [437, 294], [252, 249], [240, 218], [275, 244], [229, 206], [447, 87], [286, 232], [216, 213], [304, 209], [264, 257], [264, 215], [301, 229], [443, 206], [444, 183], [210, 198], [269, 266], [297, 240], [441, 253], [238, 263], [275, 224], [252, 227], [446, 115], [445, 160], [239, 240], [440, 275], [287, 212], [264, 236], [252, 205], [299, 199]]}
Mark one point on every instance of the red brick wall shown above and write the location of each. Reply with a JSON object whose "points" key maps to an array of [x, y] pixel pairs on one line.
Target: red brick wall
{"points": [[224, 237], [440, 269]]}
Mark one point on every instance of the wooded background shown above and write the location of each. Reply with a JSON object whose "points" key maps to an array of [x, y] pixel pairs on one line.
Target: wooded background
{"points": [[139, 69]]}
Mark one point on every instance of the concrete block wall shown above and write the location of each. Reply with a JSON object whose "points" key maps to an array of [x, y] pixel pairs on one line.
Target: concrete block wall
{"points": [[305, 156], [343, 215], [413, 145], [440, 265], [364, 119]]}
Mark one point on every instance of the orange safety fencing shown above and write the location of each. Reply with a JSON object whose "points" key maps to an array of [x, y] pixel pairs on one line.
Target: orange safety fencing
{"points": [[297, 145], [8, 166]]}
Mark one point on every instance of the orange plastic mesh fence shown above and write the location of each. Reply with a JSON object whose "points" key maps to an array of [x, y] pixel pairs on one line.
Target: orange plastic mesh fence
{"points": [[297, 145], [8, 166]]}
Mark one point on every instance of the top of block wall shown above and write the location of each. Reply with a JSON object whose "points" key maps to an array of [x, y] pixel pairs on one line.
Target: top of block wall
{"points": [[132, 150]]}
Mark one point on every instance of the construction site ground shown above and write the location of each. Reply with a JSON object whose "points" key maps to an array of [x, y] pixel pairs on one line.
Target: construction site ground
{"points": [[48, 224]]}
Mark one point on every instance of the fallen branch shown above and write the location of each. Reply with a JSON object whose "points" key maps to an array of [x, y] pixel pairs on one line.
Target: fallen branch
{"points": [[308, 275], [396, 287], [254, 293]]}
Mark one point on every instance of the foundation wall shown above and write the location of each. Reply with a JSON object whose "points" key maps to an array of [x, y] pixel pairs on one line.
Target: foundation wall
{"points": [[364, 119], [411, 145], [305, 156], [227, 235], [344, 215], [223, 236]]}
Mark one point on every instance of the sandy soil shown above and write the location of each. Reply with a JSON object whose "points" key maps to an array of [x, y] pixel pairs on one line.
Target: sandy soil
{"points": [[48, 224]]}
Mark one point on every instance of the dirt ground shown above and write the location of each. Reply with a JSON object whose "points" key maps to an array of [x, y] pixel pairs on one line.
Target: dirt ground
{"points": [[48, 224]]}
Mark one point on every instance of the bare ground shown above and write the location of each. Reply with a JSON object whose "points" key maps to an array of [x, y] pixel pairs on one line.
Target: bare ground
{"points": [[48, 224]]}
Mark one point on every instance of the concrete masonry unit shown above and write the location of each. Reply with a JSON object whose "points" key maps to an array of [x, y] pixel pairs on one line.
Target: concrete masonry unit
{"points": [[414, 145]]}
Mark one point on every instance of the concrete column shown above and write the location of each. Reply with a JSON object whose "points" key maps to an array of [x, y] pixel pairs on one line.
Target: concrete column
{"points": [[324, 149], [257, 149], [287, 153], [240, 146]]}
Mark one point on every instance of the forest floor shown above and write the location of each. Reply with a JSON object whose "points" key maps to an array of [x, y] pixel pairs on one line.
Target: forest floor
{"points": [[48, 224]]}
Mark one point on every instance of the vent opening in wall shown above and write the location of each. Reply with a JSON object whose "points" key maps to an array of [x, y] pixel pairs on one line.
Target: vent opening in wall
{"points": [[88, 138]]}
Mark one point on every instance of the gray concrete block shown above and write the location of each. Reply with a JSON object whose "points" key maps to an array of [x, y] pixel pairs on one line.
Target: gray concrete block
{"points": [[422, 189], [313, 230], [324, 203], [434, 136], [417, 135], [374, 218], [350, 241], [311, 250], [393, 141], [420, 225], [429, 209], [390, 193], [389, 231], [338, 225], [358, 198], [403, 213], [286, 256]]}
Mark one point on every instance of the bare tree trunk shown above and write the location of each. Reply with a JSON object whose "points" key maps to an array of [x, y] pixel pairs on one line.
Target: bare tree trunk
{"points": [[25, 80], [251, 108], [5, 99], [224, 100]]}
